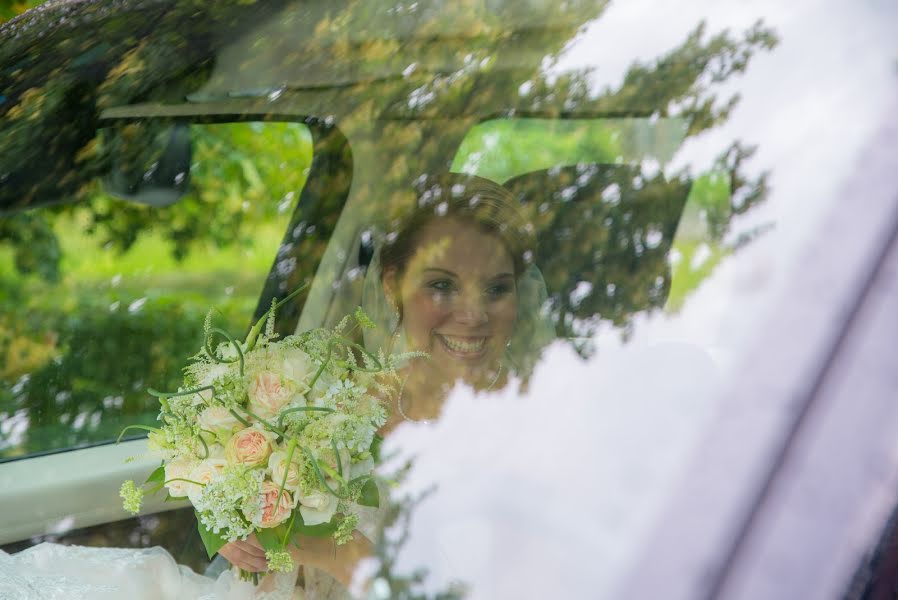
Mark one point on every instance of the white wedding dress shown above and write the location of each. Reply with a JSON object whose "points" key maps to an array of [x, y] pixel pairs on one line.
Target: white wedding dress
{"points": [[56, 572]]}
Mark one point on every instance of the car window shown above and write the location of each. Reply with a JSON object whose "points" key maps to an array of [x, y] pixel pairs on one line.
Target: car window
{"points": [[663, 167], [105, 297]]}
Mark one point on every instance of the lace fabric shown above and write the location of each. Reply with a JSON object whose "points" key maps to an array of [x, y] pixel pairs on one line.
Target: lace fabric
{"points": [[56, 572]]}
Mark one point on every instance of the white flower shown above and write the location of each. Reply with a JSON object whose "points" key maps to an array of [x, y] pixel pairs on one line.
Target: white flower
{"points": [[201, 397], [216, 451], [317, 507], [214, 371], [318, 395], [277, 465], [219, 421], [298, 368], [158, 447], [204, 473], [179, 469]]}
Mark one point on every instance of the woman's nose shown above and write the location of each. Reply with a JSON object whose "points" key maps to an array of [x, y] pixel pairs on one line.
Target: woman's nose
{"points": [[470, 310]]}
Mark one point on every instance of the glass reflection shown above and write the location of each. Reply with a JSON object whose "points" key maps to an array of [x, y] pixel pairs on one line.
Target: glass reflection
{"points": [[643, 147]]}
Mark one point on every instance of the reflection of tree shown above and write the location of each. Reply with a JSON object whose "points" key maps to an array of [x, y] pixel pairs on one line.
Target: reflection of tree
{"points": [[604, 236], [470, 61], [395, 90], [389, 92]]}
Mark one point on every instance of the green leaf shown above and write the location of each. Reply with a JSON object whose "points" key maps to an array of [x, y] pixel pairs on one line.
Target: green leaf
{"points": [[212, 541], [157, 476], [369, 496], [320, 530], [269, 539], [375, 447]]}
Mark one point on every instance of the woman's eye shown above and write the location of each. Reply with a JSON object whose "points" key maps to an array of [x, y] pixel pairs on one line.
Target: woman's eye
{"points": [[441, 285], [499, 290]]}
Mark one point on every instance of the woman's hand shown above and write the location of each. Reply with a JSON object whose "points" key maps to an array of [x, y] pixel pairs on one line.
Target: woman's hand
{"points": [[322, 553], [247, 554]]}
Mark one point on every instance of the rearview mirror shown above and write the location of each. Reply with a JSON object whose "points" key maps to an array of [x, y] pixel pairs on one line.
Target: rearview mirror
{"points": [[150, 162]]}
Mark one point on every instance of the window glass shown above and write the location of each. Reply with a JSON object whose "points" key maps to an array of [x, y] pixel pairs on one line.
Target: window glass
{"points": [[576, 213], [106, 297]]}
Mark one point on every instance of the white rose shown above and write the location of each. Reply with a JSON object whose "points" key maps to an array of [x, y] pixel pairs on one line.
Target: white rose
{"points": [[179, 469], [204, 473], [298, 367], [158, 447], [216, 451], [317, 507], [219, 421], [277, 465], [269, 394]]}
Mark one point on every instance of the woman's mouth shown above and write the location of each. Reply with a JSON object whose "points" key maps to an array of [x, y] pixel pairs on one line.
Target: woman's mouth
{"points": [[463, 346]]}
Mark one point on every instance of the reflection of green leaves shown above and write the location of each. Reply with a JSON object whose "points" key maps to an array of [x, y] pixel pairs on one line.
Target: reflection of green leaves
{"points": [[104, 354], [696, 260], [35, 246], [11, 8], [244, 175], [505, 148]]}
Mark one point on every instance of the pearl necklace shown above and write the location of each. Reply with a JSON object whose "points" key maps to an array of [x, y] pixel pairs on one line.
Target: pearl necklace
{"points": [[428, 421]]}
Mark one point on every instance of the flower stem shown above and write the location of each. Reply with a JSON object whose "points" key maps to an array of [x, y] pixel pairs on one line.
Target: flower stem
{"points": [[268, 425], [143, 427], [167, 395], [291, 447], [320, 475], [166, 482]]}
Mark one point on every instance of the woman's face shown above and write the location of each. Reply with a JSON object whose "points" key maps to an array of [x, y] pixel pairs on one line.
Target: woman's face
{"points": [[459, 298]]}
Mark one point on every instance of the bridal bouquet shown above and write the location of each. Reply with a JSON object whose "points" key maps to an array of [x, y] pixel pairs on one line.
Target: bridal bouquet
{"points": [[270, 436]]}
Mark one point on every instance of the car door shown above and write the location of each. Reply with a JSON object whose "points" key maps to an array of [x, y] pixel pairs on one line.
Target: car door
{"points": [[709, 185]]}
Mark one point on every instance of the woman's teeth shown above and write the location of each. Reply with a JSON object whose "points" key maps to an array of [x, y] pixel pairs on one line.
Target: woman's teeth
{"points": [[464, 345]]}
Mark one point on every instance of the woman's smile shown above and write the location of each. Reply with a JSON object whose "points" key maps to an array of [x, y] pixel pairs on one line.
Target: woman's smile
{"points": [[465, 347]]}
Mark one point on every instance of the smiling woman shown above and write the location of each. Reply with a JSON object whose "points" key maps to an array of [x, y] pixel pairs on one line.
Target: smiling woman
{"points": [[457, 277]]}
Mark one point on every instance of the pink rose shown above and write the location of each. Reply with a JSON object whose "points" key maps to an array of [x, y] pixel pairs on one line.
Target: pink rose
{"points": [[250, 447], [275, 514], [268, 394]]}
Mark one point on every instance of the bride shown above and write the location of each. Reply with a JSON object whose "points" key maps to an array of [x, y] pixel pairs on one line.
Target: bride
{"points": [[455, 283], [454, 280]]}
